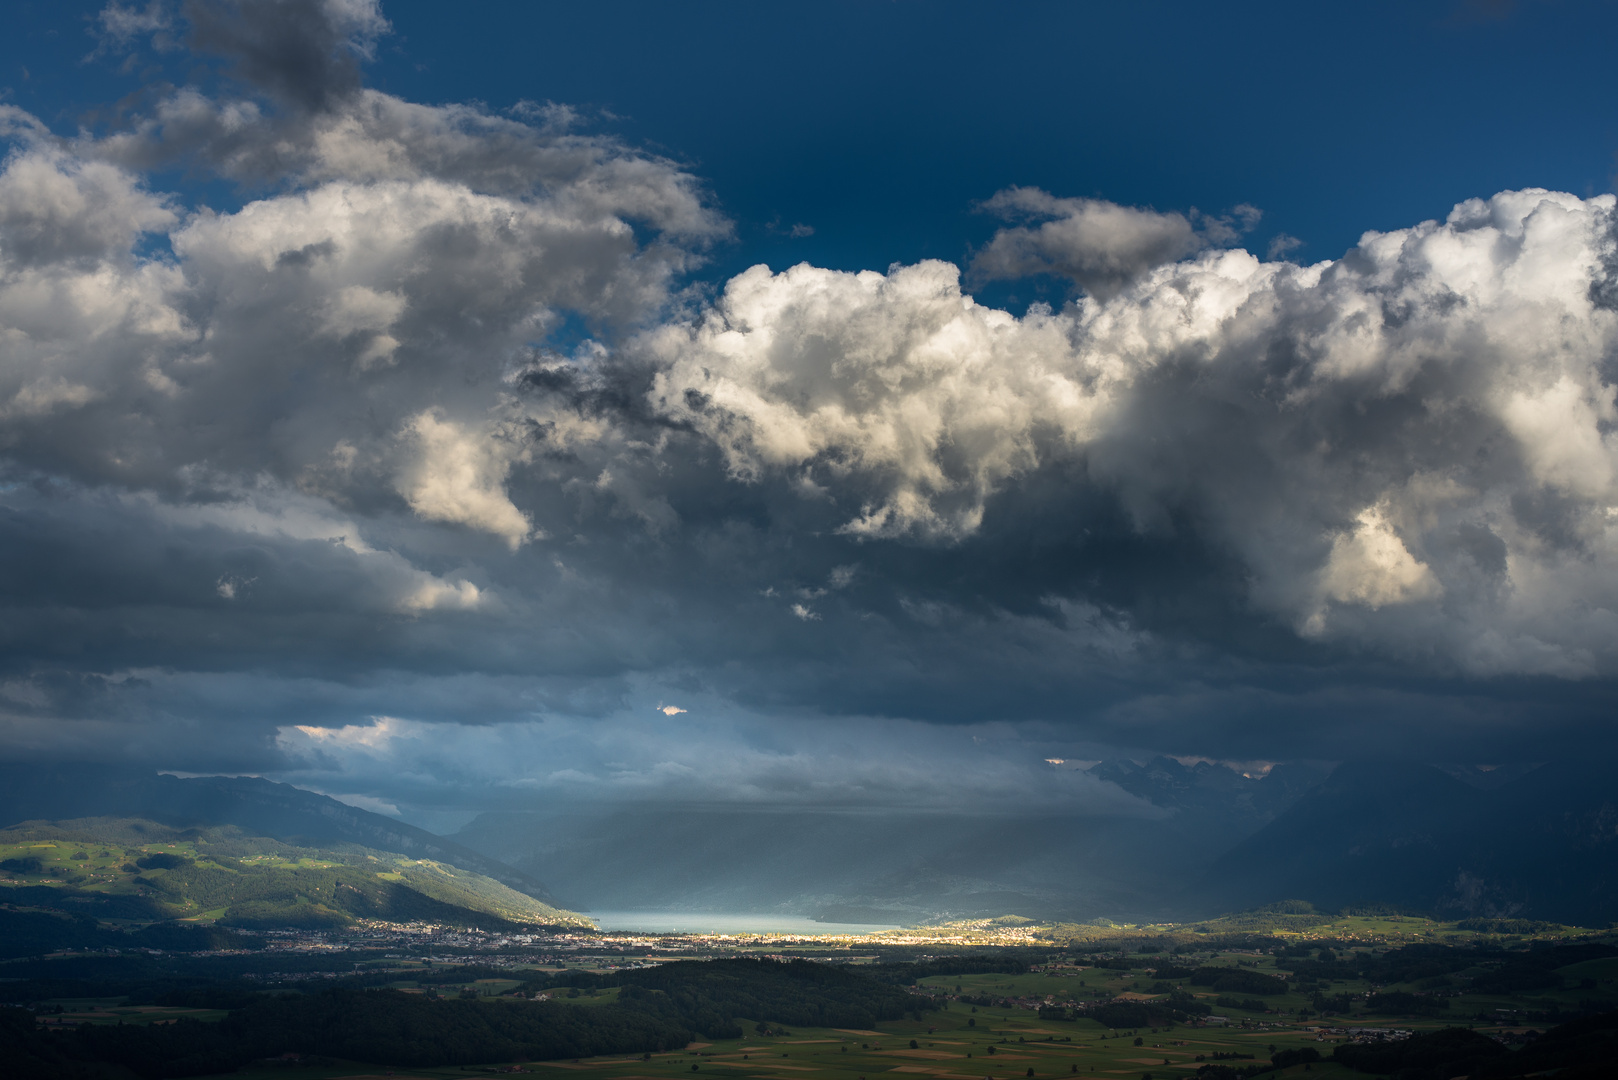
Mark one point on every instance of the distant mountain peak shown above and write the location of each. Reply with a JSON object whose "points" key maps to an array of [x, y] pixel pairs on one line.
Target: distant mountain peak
{"points": [[1210, 786], [1418, 837]]}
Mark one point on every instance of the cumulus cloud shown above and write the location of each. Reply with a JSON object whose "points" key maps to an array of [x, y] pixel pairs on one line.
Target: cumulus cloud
{"points": [[56, 208], [1370, 565], [1408, 448], [894, 390], [455, 475], [349, 334]]}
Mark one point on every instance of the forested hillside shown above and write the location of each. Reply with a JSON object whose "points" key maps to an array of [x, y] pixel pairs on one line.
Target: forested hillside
{"points": [[119, 869]]}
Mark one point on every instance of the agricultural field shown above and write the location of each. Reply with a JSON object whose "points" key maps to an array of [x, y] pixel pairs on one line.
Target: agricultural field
{"points": [[955, 1044], [1038, 1023], [1449, 986], [1144, 1001], [75, 1011]]}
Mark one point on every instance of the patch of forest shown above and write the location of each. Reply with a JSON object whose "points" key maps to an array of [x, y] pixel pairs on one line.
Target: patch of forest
{"points": [[656, 1009], [384, 1026], [709, 994], [1580, 1048]]}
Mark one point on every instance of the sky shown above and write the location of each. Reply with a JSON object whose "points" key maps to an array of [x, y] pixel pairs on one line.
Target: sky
{"points": [[854, 405]]}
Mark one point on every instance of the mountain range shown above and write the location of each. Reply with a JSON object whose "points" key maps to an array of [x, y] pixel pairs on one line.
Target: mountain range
{"points": [[900, 867], [1543, 845], [256, 806], [126, 870], [1523, 841]]}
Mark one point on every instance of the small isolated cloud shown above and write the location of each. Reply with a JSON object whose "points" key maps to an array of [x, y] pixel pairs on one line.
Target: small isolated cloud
{"points": [[807, 614], [229, 587], [548, 115], [670, 710], [1099, 245], [373, 738], [436, 594], [118, 26], [797, 230], [1282, 245]]}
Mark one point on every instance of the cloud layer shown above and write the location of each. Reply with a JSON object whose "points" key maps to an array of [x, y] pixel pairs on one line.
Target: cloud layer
{"points": [[433, 423]]}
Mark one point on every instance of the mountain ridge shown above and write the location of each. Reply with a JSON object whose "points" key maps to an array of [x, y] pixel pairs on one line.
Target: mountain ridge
{"points": [[130, 870], [1542, 845], [258, 806]]}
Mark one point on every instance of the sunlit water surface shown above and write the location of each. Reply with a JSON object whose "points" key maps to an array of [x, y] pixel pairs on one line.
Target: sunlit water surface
{"points": [[680, 922]]}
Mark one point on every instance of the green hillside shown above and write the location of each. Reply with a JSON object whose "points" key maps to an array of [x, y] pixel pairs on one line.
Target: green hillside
{"points": [[131, 871]]}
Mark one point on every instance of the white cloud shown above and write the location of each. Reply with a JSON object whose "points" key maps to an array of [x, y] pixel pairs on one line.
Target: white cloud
{"points": [[56, 207], [349, 334], [670, 710], [1370, 565], [45, 396], [370, 738], [365, 313], [360, 22], [1383, 440], [435, 594], [123, 24], [455, 475], [893, 390], [230, 586]]}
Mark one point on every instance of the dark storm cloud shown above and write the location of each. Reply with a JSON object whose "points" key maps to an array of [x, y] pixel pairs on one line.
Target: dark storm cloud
{"points": [[316, 489]]}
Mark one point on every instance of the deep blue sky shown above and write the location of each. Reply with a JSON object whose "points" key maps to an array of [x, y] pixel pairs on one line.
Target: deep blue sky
{"points": [[882, 124]]}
